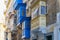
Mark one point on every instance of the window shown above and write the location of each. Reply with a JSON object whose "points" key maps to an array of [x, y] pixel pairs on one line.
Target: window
{"points": [[22, 12], [6, 34], [23, 25], [43, 10], [49, 37], [15, 19], [35, 12], [34, 39]]}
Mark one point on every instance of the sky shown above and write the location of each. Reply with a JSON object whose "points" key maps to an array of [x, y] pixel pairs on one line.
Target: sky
{"points": [[2, 19], [2, 9]]}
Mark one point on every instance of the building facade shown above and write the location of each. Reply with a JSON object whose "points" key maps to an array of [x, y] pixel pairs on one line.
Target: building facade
{"points": [[10, 20], [42, 22], [23, 21], [37, 16]]}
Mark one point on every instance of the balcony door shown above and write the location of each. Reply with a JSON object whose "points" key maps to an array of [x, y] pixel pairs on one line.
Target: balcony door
{"points": [[49, 37]]}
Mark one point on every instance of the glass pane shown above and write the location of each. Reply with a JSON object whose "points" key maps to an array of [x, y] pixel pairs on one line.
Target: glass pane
{"points": [[43, 9]]}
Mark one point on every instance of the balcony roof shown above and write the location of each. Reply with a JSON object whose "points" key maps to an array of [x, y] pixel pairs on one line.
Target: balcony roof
{"points": [[34, 2], [17, 4]]}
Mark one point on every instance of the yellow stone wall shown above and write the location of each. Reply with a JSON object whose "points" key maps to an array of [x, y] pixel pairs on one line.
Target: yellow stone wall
{"points": [[42, 21], [35, 23], [34, 19], [39, 20]]}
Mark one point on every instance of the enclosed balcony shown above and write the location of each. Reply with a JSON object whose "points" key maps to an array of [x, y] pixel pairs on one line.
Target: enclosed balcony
{"points": [[21, 14], [17, 4], [26, 26]]}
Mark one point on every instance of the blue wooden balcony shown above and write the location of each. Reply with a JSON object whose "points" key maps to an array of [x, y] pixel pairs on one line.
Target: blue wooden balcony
{"points": [[17, 4], [21, 13], [26, 28]]}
